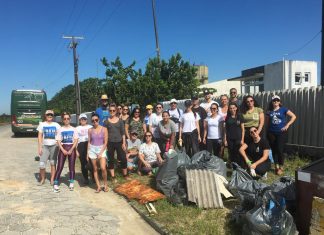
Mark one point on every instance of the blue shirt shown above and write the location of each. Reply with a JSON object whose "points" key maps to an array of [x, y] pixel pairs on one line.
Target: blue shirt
{"points": [[103, 114], [277, 119]]}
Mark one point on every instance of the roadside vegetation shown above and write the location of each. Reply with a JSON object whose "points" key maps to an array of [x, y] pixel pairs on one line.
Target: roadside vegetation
{"points": [[189, 219], [4, 118]]}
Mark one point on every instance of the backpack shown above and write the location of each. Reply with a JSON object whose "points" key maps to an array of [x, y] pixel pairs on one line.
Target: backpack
{"points": [[174, 119]]}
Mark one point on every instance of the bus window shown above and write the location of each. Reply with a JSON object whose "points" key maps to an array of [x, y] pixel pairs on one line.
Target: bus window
{"points": [[27, 110]]}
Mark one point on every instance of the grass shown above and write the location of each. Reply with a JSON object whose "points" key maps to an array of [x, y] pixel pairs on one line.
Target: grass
{"points": [[190, 219]]}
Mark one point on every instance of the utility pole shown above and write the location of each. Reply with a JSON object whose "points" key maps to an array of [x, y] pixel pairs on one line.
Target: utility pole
{"points": [[156, 31], [322, 49], [73, 45]]}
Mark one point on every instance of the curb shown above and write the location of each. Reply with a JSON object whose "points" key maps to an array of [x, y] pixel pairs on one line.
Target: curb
{"points": [[157, 227]]}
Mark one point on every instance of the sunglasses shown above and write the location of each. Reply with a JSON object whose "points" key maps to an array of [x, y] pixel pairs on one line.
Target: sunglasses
{"points": [[148, 135], [249, 101], [253, 131], [136, 112], [83, 119], [159, 107], [49, 115], [94, 120], [66, 119], [276, 100], [134, 134], [112, 110], [233, 92], [173, 103], [125, 109]]}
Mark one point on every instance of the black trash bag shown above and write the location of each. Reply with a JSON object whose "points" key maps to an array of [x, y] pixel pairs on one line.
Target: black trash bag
{"points": [[239, 176], [270, 217], [167, 176], [179, 193], [286, 188], [251, 193], [205, 160]]}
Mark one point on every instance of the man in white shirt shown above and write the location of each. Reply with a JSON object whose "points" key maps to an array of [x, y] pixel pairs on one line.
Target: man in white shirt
{"points": [[175, 115], [207, 102], [154, 123]]}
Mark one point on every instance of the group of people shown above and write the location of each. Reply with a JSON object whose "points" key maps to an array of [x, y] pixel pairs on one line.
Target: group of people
{"points": [[141, 143]]}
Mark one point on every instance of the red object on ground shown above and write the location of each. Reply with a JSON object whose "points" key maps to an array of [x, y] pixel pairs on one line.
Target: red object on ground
{"points": [[136, 190]]}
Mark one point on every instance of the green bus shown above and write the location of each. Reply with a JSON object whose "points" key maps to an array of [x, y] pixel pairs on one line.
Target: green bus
{"points": [[27, 110]]}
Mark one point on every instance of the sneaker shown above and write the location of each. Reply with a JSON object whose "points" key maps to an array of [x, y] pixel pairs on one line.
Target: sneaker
{"points": [[265, 176], [56, 188], [71, 186]]}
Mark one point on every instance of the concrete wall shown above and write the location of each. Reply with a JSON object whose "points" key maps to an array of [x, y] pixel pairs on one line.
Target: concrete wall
{"points": [[273, 76], [223, 86]]}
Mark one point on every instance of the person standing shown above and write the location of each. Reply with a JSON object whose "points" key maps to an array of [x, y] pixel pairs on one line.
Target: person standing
{"points": [[189, 130], [207, 102], [47, 146], [134, 122], [253, 116], [214, 131], [154, 122], [124, 116], [82, 149], [276, 119], [234, 134], [196, 108], [149, 110], [223, 106], [256, 154], [175, 114], [67, 139], [97, 146], [233, 97], [103, 110], [167, 130], [116, 143]]}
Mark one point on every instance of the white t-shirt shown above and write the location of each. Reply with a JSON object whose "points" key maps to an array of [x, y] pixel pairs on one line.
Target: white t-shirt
{"points": [[174, 114], [67, 135], [150, 151], [206, 106], [49, 131], [189, 121], [220, 112], [83, 132], [214, 127], [154, 122]]}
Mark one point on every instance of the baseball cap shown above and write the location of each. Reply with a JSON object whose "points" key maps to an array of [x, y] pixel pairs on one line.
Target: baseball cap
{"points": [[49, 112], [133, 131], [275, 97], [207, 92], [149, 106], [194, 97], [173, 101], [83, 115], [104, 97]]}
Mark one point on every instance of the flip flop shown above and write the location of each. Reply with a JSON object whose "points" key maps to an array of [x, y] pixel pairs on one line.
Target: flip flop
{"points": [[106, 189], [98, 191]]}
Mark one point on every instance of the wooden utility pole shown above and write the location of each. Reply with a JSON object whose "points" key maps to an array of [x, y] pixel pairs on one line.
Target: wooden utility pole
{"points": [[156, 31], [73, 45]]}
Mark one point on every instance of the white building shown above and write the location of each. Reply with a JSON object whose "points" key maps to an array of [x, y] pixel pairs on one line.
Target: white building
{"points": [[223, 86], [280, 75]]}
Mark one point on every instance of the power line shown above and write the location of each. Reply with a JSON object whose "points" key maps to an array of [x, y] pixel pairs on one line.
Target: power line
{"points": [[79, 15], [306, 44], [102, 26]]}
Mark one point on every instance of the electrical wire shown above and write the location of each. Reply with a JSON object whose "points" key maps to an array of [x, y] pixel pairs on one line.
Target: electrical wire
{"points": [[306, 44]]}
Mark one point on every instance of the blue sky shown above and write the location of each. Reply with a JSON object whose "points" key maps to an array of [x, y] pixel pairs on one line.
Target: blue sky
{"points": [[228, 36]]}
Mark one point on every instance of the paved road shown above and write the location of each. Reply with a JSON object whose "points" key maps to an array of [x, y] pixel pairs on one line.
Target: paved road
{"points": [[26, 208]]}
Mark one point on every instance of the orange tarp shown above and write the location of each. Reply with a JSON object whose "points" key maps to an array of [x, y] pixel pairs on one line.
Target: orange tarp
{"points": [[136, 190]]}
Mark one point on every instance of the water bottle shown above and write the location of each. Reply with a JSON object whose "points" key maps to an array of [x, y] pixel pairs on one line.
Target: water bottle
{"points": [[167, 145]]}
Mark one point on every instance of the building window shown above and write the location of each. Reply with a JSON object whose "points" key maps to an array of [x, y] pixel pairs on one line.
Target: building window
{"points": [[298, 78], [307, 77]]}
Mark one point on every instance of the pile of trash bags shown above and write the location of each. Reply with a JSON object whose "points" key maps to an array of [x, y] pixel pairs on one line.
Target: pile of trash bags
{"points": [[264, 209], [171, 176]]}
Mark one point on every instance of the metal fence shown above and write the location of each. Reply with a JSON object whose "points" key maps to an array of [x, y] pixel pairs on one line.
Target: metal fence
{"points": [[306, 103]]}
